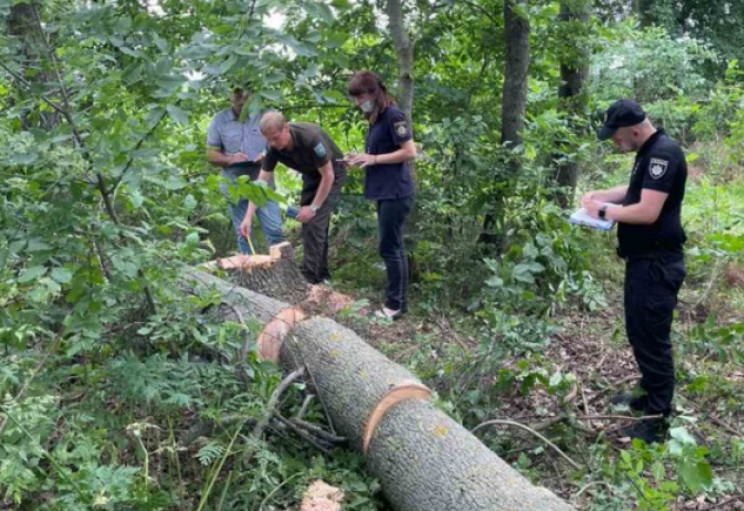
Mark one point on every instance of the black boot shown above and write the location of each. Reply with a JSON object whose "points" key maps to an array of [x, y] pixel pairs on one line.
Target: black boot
{"points": [[635, 401], [649, 430]]}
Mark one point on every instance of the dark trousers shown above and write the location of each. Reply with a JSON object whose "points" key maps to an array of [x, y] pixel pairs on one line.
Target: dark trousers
{"points": [[315, 232], [391, 215], [651, 286]]}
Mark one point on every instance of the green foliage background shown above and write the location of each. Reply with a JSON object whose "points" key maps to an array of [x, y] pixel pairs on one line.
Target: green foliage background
{"points": [[119, 391]]}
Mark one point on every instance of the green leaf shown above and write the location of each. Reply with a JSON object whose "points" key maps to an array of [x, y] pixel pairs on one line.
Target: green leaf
{"points": [[189, 202], [227, 64], [319, 10], [33, 273], [696, 475], [130, 51], [175, 183], [36, 245], [61, 275], [658, 470], [136, 198], [23, 158], [274, 76], [494, 282], [169, 83], [178, 115], [625, 455], [271, 95], [682, 436], [556, 379]]}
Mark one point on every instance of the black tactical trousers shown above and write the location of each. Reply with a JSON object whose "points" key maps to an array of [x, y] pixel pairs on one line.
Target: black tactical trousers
{"points": [[651, 286], [391, 215]]}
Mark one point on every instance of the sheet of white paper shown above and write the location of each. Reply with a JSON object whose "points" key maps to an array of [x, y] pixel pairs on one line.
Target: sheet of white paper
{"points": [[581, 217]]}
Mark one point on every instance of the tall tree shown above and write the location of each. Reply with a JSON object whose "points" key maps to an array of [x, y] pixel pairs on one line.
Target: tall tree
{"points": [[517, 48], [574, 61], [23, 31], [404, 47], [513, 97]]}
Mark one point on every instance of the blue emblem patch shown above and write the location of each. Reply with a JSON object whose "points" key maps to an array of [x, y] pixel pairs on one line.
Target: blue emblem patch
{"points": [[320, 150]]}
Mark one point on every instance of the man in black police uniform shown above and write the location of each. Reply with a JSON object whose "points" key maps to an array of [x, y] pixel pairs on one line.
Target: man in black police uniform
{"points": [[306, 148], [650, 237]]}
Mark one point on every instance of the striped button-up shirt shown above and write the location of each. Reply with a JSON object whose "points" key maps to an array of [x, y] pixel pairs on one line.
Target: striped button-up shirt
{"points": [[227, 134]]}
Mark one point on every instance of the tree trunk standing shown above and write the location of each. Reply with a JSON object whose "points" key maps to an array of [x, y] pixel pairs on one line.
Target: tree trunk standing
{"points": [[404, 53], [514, 94], [513, 98], [23, 26], [404, 47], [645, 11], [574, 61]]}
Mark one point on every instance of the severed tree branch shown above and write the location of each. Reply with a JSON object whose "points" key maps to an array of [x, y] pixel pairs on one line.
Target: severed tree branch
{"points": [[317, 442], [527, 428], [274, 401], [318, 431]]}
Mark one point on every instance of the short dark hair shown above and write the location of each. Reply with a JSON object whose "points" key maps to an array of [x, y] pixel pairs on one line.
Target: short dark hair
{"points": [[240, 90]]}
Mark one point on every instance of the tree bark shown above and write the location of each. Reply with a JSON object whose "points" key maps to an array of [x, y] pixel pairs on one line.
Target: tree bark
{"points": [[514, 94], [645, 12], [404, 53], [424, 460], [404, 49], [513, 101], [574, 62], [22, 25]]}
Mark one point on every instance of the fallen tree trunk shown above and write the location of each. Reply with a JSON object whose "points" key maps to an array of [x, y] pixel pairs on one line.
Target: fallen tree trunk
{"points": [[424, 460]]}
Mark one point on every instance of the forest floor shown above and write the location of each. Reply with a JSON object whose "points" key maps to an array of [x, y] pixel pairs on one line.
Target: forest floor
{"points": [[591, 353]]}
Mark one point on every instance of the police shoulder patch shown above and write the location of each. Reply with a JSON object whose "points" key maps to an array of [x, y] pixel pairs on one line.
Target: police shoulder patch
{"points": [[320, 150], [657, 167], [401, 128]]}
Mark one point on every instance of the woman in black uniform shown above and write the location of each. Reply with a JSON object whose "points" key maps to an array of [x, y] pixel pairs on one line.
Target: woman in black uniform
{"points": [[389, 148]]}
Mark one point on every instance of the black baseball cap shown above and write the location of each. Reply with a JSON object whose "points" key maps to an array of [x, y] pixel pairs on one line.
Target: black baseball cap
{"points": [[622, 113]]}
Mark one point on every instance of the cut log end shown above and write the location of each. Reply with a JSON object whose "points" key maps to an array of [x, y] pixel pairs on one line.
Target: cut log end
{"points": [[270, 339], [402, 392], [241, 262], [275, 275]]}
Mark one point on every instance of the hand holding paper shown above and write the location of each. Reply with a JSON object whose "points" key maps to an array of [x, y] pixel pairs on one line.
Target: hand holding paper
{"points": [[582, 217]]}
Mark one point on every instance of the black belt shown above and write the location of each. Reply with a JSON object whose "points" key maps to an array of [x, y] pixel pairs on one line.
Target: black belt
{"points": [[652, 254]]}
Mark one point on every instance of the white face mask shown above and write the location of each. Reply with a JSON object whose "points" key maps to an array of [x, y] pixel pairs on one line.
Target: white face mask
{"points": [[367, 106]]}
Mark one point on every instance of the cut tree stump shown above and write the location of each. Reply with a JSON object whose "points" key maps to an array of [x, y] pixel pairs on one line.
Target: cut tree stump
{"points": [[276, 275], [425, 460]]}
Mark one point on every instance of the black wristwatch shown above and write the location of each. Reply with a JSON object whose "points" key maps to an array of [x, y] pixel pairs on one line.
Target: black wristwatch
{"points": [[602, 211]]}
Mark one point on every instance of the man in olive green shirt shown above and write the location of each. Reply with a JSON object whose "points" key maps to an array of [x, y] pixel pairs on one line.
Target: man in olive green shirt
{"points": [[307, 149]]}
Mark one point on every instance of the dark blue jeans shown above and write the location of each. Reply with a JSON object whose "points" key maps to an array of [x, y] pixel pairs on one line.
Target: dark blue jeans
{"points": [[391, 215]]}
